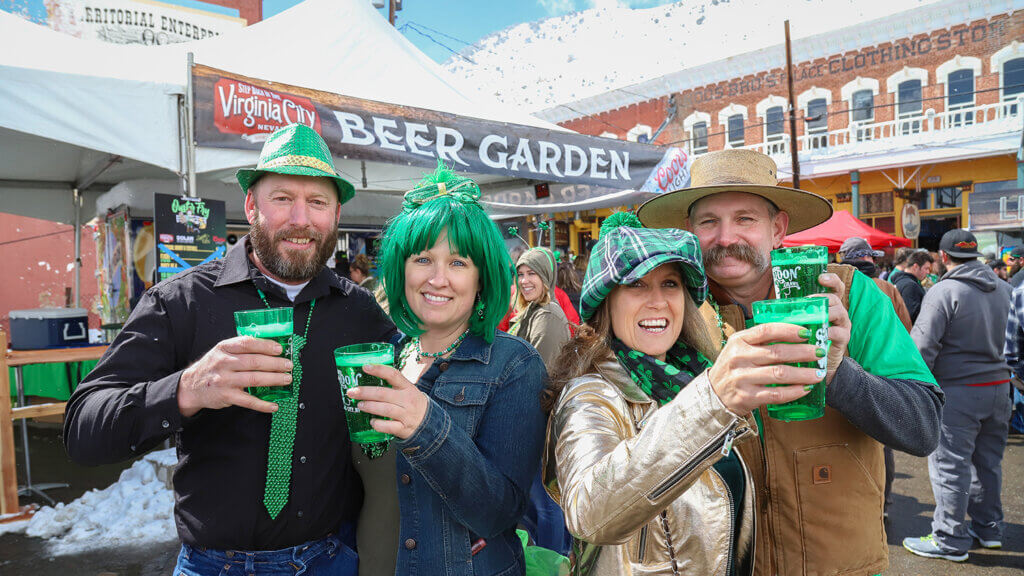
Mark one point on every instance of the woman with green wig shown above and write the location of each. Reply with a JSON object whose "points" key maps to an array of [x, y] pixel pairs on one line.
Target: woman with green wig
{"points": [[464, 403], [640, 441]]}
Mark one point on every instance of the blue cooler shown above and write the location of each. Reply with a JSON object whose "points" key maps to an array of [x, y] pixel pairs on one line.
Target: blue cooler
{"points": [[49, 328]]}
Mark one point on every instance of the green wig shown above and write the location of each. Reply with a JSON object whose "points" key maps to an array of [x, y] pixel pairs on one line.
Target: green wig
{"points": [[444, 201]]}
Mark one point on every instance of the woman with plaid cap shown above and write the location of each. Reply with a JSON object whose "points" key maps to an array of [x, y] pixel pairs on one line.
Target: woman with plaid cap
{"points": [[642, 427]]}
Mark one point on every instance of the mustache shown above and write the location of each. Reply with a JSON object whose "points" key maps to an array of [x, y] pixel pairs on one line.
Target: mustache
{"points": [[743, 252], [311, 233]]}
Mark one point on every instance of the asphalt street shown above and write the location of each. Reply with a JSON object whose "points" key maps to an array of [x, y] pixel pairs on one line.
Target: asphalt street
{"points": [[910, 515]]}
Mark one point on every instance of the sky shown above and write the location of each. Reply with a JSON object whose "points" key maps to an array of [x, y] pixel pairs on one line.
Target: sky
{"points": [[437, 27]]}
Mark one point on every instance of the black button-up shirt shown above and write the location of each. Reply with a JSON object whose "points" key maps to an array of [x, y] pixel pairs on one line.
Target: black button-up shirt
{"points": [[129, 404]]}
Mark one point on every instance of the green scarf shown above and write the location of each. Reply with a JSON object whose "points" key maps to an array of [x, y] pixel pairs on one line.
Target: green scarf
{"points": [[661, 380]]}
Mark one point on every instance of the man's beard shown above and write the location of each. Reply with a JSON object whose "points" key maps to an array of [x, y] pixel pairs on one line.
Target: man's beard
{"points": [[292, 267], [742, 252]]}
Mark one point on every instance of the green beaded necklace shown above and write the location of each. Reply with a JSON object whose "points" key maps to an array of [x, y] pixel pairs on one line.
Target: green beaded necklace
{"points": [[718, 318], [420, 354]]}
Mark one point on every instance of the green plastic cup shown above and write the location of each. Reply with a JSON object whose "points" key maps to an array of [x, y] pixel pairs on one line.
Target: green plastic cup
{"points": [[810, 313], [269, 324], [350, 360], [795, 270]]}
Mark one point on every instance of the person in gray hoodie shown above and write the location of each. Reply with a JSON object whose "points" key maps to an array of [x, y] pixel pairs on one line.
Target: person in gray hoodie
{"points": [[960, 332]]}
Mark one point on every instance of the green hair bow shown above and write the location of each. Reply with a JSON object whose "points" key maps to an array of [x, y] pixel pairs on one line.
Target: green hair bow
{"points": [[442, 182]]}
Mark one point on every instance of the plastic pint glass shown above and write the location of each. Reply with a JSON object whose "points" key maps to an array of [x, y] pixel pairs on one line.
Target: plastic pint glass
{"points": [[270, 324], [810, 313], [350, 360], [795, 270]]}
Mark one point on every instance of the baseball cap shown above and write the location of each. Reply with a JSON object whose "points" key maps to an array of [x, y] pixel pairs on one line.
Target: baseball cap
{"points": [[855, 247], [959, 244], [1017, 252]]}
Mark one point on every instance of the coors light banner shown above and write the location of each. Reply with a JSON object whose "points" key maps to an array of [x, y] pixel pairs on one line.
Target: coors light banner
{"points": [[235, 111]]}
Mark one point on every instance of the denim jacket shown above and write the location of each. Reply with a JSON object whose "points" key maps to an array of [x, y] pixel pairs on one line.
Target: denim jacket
{"points": [[464, 476]]}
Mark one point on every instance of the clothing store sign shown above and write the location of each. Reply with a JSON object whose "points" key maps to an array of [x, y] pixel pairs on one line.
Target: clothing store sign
{"points": [[189, 231], [239, 112]]}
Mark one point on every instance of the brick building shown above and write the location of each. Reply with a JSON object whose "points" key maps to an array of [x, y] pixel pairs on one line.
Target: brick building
{"points": [[921, 107]]}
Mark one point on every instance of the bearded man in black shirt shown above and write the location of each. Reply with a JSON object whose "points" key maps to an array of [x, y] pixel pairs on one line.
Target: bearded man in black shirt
{"points": [[259, 485]]}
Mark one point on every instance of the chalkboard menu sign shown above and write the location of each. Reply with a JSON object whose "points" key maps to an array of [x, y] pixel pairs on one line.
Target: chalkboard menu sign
{"points": [[189, 232]]}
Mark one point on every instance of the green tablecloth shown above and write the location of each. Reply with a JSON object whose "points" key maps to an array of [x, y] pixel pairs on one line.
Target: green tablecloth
{"points": [[56, 380]]}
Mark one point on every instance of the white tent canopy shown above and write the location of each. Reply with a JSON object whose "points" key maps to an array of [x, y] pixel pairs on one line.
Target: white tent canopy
{"points": [[75, 108]]}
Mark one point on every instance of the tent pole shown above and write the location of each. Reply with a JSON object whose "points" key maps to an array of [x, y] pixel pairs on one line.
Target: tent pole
{"points": [[190, 130], [76, 198]]}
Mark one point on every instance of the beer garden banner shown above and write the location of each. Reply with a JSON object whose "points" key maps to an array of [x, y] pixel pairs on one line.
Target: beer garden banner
{"points": [[233, 111]]}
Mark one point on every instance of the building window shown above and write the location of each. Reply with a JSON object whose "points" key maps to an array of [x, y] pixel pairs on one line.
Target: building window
{"points": [[947, 197], [1013, 83], [817, 123], [908, 106], [735, 128], [862, 112], [699, 137], [773, 130], [863, 102], [879, 203], [960, 94]]}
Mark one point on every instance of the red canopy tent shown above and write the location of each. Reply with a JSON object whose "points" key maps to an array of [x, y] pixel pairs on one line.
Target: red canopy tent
{"points": [[839, 227]]}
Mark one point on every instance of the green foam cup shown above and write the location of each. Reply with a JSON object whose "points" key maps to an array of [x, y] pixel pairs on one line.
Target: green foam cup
{"points": [[795, 270], [350, 360], [810, 313], [269, 324]]}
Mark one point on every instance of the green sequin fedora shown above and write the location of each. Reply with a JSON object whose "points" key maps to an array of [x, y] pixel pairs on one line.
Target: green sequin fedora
{"points": [[296, 150]]}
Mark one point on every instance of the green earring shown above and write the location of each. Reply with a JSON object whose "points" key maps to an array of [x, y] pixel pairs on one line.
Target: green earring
{"points": [[479, 307]]}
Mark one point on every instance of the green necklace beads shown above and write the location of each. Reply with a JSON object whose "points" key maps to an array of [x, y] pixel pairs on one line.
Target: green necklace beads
{"points": [[420, 354]]}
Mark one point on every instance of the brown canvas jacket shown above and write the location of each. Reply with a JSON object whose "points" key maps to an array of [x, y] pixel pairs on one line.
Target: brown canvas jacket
{"points": [[819, 487]]}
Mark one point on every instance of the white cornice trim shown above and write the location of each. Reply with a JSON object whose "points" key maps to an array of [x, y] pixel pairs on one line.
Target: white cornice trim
{"points": [[731, 110], [892, 83], [1014, 50], [813, 93], [695, 117], [857, 84], [771, 102]]}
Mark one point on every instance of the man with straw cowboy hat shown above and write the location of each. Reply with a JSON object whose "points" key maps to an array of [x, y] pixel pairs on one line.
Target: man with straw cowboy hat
{"points": [[260, 487], [819, 508]]}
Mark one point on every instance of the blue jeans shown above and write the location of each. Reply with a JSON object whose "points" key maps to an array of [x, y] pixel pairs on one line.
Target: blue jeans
{"points": [[327, 556]]}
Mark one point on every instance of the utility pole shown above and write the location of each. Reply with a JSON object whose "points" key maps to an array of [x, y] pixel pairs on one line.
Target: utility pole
{"points": [[794, 161], [391, 11]]}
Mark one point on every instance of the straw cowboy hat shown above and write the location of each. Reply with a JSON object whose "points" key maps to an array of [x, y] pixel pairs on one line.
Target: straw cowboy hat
{"points": [[296, 150], [735, 171]]}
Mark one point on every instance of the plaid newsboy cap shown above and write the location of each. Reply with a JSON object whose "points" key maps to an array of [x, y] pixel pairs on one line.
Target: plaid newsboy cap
{"points": [[626, 252]]}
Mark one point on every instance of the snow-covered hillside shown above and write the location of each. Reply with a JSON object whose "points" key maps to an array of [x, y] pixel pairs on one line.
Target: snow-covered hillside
{"points": [[537, 65]]}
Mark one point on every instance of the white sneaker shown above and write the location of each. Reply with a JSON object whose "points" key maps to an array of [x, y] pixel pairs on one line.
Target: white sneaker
{"points": [[990, 544]]}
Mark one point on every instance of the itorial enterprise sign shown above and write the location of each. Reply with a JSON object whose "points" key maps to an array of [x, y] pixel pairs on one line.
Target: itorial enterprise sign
{"points": [[234, 111], [135, 21]]}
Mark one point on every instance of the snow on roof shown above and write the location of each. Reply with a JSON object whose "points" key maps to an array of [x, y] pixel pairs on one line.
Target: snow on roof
{"points": [[572, 58]]}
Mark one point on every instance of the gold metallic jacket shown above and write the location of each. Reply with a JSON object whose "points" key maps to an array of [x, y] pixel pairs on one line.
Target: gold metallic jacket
{"points": [[614, 461]]}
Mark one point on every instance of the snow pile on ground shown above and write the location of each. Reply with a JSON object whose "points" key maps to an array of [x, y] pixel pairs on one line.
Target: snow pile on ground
{"points": [[537, 65], [135, 510]]}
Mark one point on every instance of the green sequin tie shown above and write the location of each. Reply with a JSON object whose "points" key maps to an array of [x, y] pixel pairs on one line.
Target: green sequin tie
{"points": [[282, 429]]}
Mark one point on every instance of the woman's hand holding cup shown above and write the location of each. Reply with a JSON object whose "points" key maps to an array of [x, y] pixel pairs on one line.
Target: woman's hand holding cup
{"points": [[755, 359]]}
